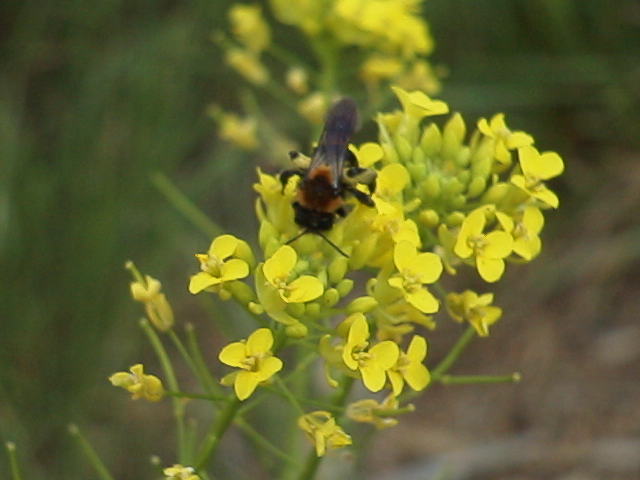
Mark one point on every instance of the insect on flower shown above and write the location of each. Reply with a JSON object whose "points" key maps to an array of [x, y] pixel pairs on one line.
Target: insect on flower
{"points": [[330, 176]]}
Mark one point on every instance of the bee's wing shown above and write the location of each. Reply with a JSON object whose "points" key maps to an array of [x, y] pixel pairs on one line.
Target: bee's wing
{"points": [[340, 125]]}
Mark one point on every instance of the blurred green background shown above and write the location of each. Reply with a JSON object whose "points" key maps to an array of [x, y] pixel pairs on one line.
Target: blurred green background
{"points": [[98, 97]]}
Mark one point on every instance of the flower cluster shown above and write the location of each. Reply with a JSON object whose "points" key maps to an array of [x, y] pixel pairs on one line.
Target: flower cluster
{"points": [[389, 38]]}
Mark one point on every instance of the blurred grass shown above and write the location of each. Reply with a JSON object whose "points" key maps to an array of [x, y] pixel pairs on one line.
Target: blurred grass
{"points": [[95, 98]]}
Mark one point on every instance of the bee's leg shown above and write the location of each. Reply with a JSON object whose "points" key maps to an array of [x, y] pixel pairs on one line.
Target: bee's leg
{"points": [[361, 196], [350, 160], [285, 175], [341, 212], [365, 176]]}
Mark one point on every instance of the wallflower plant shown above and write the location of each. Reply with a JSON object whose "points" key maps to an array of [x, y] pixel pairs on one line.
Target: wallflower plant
{"points": [[451, 197]]}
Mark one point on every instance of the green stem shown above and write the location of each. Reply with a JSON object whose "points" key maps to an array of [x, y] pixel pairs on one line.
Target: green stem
{"points": [[204, 374], [263, 442], [218, 428], [313, 460], [469, 379], [453, 355], [184, 205], [13, 461], [90, 453], [289, 396], [167, 367], [196, 396]]}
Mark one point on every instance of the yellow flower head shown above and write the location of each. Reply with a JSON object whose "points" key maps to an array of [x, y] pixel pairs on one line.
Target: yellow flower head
{"points": [[373, 363], [371, 411], [155, 302], [409, 367], [323, 431], [473, 308], [247, 64], [249, 26], [297, 80], [537, 167], [254, 359], [279, 268], [488, 250], [367, 154], [178, 472], [505, 140], [414, 270], [216, 265], [139, 384], [241, 132], [314, 107], [392, 26]]}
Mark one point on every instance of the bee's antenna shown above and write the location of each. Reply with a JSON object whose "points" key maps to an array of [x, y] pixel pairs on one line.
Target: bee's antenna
{"points": [[304, 232]]}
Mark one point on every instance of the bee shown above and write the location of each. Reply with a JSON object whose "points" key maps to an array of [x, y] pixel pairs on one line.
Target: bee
{"points": [[330, 176]]}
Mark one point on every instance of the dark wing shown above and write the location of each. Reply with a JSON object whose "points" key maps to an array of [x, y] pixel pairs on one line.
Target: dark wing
{"points": [[339, 126]]}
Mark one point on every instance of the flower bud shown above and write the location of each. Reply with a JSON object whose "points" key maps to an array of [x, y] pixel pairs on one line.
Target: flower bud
{"points": [[297, 330], [344, 287], [338, 269], [362, 305]]}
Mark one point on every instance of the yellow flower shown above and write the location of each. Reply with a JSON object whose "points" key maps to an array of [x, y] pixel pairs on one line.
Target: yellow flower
{"points": [[254, 359], [380, 67], [505, 139], [277, 271], [409, 367], [297, 80], [537, 167], [242, 132], [420, 76], [525, 229], [139, 384], [392, 26], [155, 303], [314, 107], [216, 266], [473, 308], [249, 26], [418, 105], [372, 363], [414, 270], [322, 430], [371, 411], [305, 14], [488, 250], [178, 472], [247, 64]]}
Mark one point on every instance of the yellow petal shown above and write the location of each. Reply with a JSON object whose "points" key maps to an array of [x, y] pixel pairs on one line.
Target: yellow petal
{"points": [[547, 196], [499, 245], [269, 367], [392, 179], [259, 342], [417, 105], [245, 384], [484, 128], [369, 153], [200, 281], [304, 289], [280, 264], [234, 269], [490, 269], [417, 350], [373, 377], [423, 301], [518, 140], [428, 266], [551, 165], [359, 331], [233, 354], [385, 354], [223, 246], [533, 220], [417, 376], [527, 247], [404, 255], [397, 381]]}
